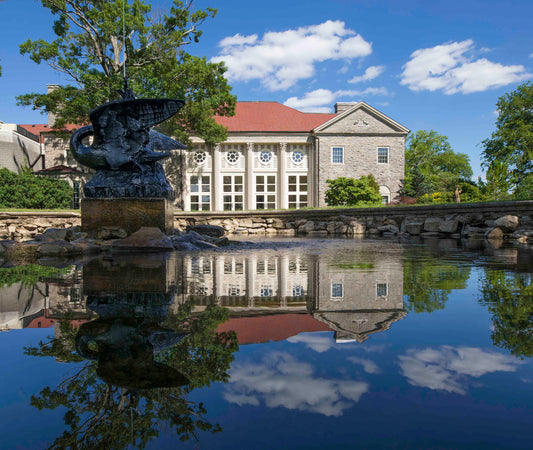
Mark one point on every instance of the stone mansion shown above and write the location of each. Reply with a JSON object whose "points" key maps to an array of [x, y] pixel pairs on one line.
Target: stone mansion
{"points": [[275, 157]]}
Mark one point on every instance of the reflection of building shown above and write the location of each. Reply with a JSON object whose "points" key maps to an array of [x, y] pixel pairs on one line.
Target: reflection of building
{"points": [[269, 294], [21, 305]]}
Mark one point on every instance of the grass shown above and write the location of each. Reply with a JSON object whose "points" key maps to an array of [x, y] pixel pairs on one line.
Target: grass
{"points": [[38, 210]]}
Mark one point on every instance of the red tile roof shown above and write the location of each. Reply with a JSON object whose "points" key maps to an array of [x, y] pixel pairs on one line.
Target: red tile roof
{"points": [[43, 128], [258, 329], [271, 116]]}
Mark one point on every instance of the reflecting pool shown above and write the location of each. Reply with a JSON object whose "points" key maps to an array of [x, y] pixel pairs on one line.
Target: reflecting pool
{"points": [[303, 343]]}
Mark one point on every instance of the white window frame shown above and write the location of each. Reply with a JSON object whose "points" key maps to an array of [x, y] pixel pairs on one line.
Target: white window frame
{"points": [[298, 192], [333, 154], [333, 287], [233, 193], [388, 155], [200, 193], [266, 192]]}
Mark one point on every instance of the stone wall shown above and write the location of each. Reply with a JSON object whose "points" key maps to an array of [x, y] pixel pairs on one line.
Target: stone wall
{"points": [[23, 226], [490, 220]]}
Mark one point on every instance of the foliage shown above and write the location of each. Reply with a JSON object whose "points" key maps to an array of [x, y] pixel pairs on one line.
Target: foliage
{"points": [[102, 415], [511, 145], [88, 50], [432, 166], [351, 192], [29, 274], [509, 298], [470, 192], [428, 286], [26, 190]]}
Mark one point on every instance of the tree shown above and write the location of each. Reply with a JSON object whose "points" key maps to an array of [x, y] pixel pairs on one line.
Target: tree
{"points": [[498, 181], [89, 51], [512, 142], [431, 165], [351, 192]]}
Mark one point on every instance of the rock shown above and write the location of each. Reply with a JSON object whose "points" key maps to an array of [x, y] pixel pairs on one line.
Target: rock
{"points": [[494, 233], [106, 233], [222, 242], [205, 245], [307, 227], [414, 228], [448, 226], [145, 239], [393, 229], [186, 246], [55, 234], [507, 223], [298, 223], [356, 227], [54, 248], [432, 224], [208, 230], [85, 246]]}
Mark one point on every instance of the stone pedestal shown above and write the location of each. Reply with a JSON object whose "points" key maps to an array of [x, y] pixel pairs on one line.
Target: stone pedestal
{"points": [[127, 213]]}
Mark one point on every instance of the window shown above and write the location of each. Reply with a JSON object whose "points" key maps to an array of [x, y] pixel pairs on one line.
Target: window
{"points": [[336, 290], [381, 289], [298, 291], [265, 157], [337, 155], [232, 157], [383, 155], [266, 291], [385, 199], [76, 195], [265, 188], [233, 187], [200, 192], [199, 157], [297, 185], [297, 157]]}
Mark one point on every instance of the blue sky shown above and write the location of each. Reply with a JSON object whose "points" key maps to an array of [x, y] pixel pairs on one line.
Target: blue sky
{"points": [[428, 65]]}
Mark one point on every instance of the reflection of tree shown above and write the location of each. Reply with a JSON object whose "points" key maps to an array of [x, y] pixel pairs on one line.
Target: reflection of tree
{"points": [[427, 282], [102, 415], [509, 298]]}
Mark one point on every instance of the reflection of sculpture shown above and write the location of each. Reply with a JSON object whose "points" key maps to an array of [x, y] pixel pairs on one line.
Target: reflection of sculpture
{"points": [[124, 148]]}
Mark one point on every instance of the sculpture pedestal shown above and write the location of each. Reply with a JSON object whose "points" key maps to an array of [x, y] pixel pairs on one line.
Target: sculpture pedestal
{"points": [[127, 213]]}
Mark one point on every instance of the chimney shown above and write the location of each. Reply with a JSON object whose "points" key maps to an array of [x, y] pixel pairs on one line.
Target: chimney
{"points": [[51, 117], [340, 107]]}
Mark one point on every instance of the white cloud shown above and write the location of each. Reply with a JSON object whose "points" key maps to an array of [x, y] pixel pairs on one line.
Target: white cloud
{"points": [[316, 341], [280, 59], [282, 381], [322, 100], [447, 368], [370, 73], [368, 365], [451, 68]]}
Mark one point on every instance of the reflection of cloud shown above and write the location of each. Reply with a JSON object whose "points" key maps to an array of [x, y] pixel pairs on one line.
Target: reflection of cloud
{"points": [[281, 380], [368, 365], [318, 342], [447, 367]]}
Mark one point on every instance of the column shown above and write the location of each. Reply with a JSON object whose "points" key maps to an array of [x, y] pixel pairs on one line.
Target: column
{"points": [[217, 178], [283, 197], [218, 279], [283, 283], [249, 182], [251, 264]]}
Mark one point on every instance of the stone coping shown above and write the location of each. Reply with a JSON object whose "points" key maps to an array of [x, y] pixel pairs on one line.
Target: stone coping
{"points": [[523, 206]]}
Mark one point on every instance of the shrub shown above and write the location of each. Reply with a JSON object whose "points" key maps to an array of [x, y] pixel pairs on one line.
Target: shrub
{"points": [[26, 190], [351, 192]]}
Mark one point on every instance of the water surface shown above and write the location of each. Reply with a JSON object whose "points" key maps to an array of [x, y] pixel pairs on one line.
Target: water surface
{"points": [[305, 344]]}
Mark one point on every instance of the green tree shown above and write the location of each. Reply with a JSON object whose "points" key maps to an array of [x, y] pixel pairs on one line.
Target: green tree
{"points": [[103, 415], [431, 165], [512, 142], [509, 298], [427, 287], [89, 48], [498, 181], [344, 191]]}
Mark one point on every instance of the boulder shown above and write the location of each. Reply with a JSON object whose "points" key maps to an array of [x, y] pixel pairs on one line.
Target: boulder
{"points": [[55, 234], [494, 234], [111, 233], [414, 228], [432, 224], [208, 230], [507, 223], [186, 246], [307, 227], [448, 226], [145, 239], [54, 248], [356, 227], [393, 229]]}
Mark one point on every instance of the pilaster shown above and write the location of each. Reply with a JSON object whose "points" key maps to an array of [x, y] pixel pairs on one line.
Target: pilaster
{"points": [[283, 198], [249, 182]]}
